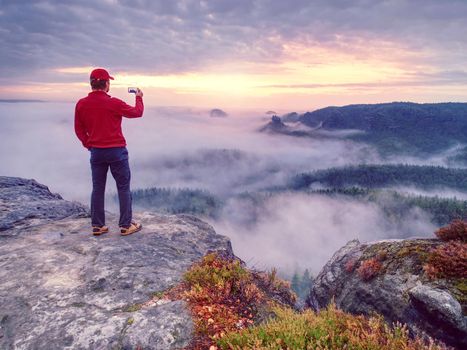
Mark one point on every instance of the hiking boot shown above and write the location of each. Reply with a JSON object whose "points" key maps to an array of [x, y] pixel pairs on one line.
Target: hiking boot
{"points": [[134, 227], [99, 230]]}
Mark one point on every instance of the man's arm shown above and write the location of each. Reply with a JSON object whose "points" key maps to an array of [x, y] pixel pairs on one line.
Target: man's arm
{"points": [[129, 111], [80, 129]]}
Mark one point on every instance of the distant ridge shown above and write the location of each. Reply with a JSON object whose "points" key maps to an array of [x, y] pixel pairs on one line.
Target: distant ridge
{"points": [[398, 127]]}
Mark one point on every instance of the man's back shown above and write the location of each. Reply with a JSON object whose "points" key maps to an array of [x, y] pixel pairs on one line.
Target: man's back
{"points": [[98, 125], [98, 119]]}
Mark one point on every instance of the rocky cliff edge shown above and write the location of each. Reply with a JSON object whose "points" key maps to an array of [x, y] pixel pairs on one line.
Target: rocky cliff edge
{"points": [[62, 288], [389, 278]]}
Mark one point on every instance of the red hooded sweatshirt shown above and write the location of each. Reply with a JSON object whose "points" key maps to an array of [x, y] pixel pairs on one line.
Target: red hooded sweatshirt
{"points": [[98, 119]]}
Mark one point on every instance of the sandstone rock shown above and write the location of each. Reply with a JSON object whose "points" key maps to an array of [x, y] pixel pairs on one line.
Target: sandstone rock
{"points": [[62, 288], [442, 313], [217, 113], [292, 117], [277, 126], [399, 291], [25, 203]]}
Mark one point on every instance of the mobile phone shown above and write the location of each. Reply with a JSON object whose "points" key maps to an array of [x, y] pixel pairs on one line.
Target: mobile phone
{"points": [[132, 90]]}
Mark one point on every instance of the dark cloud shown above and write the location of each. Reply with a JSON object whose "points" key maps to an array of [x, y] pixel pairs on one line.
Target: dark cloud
{"points": [[174, 36]]}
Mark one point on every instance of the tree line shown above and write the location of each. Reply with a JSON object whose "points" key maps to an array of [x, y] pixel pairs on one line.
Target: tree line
{"points": [[377, 176]]}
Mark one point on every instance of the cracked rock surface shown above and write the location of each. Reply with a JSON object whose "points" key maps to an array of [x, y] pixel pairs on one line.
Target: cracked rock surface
{"points": [[62, 288], [399, 291], [25, 203]]}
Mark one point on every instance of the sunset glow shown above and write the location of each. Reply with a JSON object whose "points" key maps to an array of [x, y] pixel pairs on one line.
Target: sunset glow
{"points": [[309, 65]]}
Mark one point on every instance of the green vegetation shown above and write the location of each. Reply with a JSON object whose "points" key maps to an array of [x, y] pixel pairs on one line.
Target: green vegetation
{"points": [[214, 272], [407, 256], [365, 183], [301, 284], [236, 308], [329, 329], [176, 201], [224, 296], [378, 176], [399, 127], [395, 205]]}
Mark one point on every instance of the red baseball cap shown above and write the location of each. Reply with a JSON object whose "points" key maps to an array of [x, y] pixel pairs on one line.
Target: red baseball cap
{"points": [[100, 74]]}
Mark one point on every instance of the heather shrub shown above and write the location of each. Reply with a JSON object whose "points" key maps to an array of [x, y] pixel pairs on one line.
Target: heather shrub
{"points": [[369, 268], [331, 328], [456, 230], [224, 296], [448, 260], [227, 300], [350, 265]]}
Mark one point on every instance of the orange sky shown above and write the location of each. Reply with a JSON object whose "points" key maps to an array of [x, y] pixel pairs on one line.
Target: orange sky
{"points": [[305, 77], [267, 54]]}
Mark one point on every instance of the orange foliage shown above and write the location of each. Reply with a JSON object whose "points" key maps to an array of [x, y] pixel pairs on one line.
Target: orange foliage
{"points": [[456, 230], [448, 260], [223, 297], [369, 268], [350, 265]]}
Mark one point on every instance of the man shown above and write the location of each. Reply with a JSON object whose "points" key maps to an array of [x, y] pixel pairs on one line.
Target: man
{"points": [[98, 125]]}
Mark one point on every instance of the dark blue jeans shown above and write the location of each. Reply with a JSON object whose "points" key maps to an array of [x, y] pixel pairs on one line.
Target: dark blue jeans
{"points": [[117, 159]]}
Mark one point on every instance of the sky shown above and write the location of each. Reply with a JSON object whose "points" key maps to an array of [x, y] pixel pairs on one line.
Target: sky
{"points": [[271, 54]]}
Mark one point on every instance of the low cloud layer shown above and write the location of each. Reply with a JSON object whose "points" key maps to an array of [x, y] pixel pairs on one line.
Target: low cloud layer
{"points": [[168, 147], [185, 148], [172, 147], [298, 231]]}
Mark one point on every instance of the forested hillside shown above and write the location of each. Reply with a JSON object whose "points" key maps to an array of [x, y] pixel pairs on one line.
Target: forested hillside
{"points": [[398, 127], [377, 176], [176, 201], [395, 204]]}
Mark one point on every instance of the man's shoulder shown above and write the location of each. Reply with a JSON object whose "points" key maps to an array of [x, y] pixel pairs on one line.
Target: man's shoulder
{"points": [[115, 99], [80, 102], [83, 99]]}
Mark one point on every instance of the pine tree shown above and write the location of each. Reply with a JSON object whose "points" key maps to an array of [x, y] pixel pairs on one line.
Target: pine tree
{"points": [[296, 283], [305, 284]]}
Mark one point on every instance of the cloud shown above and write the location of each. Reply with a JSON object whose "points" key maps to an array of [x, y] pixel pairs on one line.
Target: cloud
{"points": [[184, 147], [418, 79], [162, 37], [298, 231], [168, 147]]}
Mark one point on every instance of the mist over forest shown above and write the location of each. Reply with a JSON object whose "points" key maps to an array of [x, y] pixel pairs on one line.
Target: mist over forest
{"points": [[286, 200]]}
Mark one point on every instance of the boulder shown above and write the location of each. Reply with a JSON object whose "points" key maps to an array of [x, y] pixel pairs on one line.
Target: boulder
{"points": [[25, 203], [395, 286]]}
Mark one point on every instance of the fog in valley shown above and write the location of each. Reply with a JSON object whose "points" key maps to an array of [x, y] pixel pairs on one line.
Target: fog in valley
{"points": [[177, 147]]}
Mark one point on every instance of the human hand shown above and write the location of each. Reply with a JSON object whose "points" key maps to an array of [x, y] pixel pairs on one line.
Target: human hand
{"points": [[139, 93]]}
